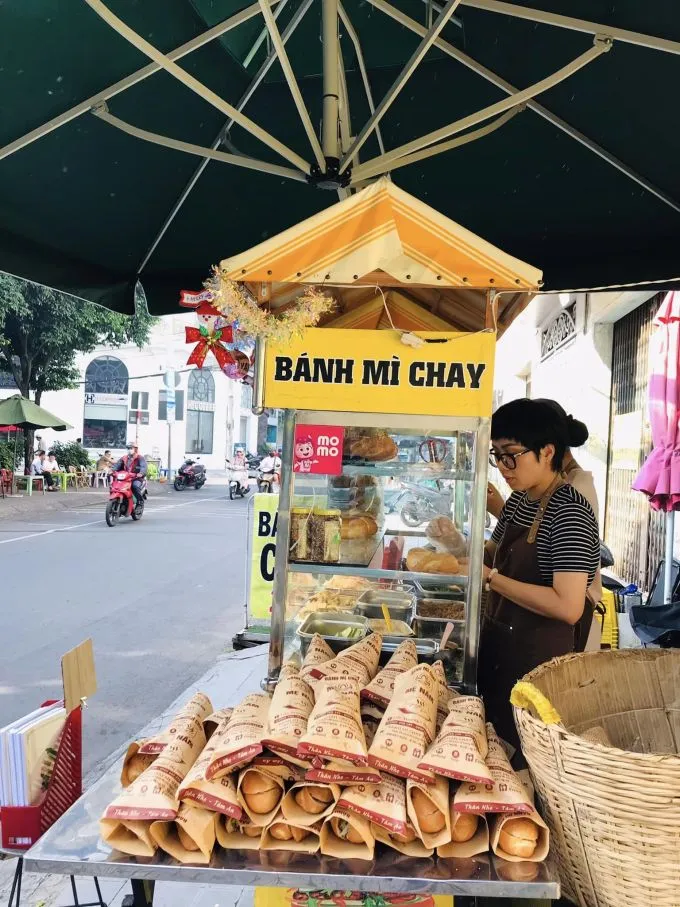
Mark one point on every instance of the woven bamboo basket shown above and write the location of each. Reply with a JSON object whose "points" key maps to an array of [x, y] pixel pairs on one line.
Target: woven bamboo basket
{"points": [[612, 799]]}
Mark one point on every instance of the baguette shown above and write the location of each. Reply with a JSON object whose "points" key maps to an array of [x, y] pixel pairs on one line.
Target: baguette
{"points": [[358, 527], [421, 560]]}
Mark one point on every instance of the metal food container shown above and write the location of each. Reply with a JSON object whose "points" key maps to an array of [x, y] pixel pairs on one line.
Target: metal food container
{"points": [[399, 604], [433, 628], [329, 627], [400, 629], [449, 608], [438, 590], [426, 648]]}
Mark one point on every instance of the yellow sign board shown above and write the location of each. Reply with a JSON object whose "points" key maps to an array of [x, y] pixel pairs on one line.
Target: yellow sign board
{"points": [[449, 374], [263, 553], [303, 897]]}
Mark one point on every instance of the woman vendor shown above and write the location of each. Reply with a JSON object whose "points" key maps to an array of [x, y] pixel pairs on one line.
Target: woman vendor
{"points": [[541, 559]]}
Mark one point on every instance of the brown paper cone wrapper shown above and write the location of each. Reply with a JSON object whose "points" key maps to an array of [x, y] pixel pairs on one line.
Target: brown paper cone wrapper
{"points": [[198, 825], [294, 814], [153, 796], [444, 694], [343, 774], [359, 662], [242, 737], [291, 706], [134, 761], [504, 793], [318, 652], [199, 706], [310, 844], [332, 846], [213, 721], [219, 796], [407, 729], [277, 765], [542, 845], [230, 836], [260, 819], [381, 688], [382, 804], [438, 793], [334, 730], [412, 849], [132, 837], [456, 753], [478, 843]]}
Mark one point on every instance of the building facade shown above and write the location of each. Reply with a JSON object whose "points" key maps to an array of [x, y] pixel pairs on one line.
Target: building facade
{"points": [[122, 397]]}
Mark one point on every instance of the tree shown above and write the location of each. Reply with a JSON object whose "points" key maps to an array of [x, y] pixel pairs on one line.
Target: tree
{"points": [[41, 330]]}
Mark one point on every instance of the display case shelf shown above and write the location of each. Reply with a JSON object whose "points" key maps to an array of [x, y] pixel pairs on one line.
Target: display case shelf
{"points": [[413, 471], [406, 576]]}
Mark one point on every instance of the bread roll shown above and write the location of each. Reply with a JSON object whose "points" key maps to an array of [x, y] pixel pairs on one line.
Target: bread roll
{"points": [[251, 831], [260, 793], [465, 828], [407, 838], [416, 558], [313, 800], [430, 819], [343, 830], [358, 527], [136, 765], [422, 560], [186, 842], [376, 447], [519, 837], [281, 832]]}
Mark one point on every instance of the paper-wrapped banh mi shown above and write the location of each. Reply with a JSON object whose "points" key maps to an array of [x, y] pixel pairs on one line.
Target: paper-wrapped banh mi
{"points": [[278, 766], [318, 652], [505, 793], [242, 738], [347, 835], [519, 837], [457, 751], [134, 763], [469, 833], [359, 662], [428, 808], [235, 835], [220, 795], [283, 835], [289, 712], [342, 773], [381, 688], [334, 729], [199, 706], [153, 796], [371, 716], [407, 729], [384, 805], [259, 793], [190, 838], [214, 720], [307, 802], [445, 695]]}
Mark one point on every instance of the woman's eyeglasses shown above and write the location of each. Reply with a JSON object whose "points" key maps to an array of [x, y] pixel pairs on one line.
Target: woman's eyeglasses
{"points": [[509, 460]]}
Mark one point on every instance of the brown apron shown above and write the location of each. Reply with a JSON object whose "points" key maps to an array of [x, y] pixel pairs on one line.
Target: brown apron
{"points": [[514, 640]]}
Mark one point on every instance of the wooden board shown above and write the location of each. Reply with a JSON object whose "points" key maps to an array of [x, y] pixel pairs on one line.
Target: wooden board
{"points": [[78, 674]]}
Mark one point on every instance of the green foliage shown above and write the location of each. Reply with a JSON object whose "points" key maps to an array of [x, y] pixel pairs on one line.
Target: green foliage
{"points": [[7, 455], [152, 472], [70, 454]]}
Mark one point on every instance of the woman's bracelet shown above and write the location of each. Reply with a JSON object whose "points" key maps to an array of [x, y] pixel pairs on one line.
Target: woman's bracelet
{"points": [[492, 573]]}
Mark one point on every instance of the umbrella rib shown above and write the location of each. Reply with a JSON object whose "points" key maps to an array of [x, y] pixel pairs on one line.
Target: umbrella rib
{"points": [[533, 105], [224, 131], [583, 25], [472, 136], [237, 160], [129, 81], [400, 81], [284, 60], [257, 44], [194, 84], [354, 37], [601, 46]]}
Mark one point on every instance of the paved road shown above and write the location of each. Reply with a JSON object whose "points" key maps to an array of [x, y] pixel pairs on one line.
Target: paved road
{"points": [[160, 598]]}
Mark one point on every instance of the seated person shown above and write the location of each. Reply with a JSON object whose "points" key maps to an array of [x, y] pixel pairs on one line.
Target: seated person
{"points": [[38, 469], [105, 462], [50, 464], [271, 466]]}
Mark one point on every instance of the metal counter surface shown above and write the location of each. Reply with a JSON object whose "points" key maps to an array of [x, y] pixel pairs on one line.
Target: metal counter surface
{"points": [[73, 846]]}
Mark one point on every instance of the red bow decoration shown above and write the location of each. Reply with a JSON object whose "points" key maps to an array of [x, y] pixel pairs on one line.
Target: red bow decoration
{"points": [[209, 342]]}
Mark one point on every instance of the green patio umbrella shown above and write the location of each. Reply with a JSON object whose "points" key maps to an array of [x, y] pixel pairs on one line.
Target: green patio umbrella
{"points": [[151, 140], [24, 413]]}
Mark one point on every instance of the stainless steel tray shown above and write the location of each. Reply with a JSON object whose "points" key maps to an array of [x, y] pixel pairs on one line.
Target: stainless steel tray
{"points": [[433, 628], [435, 590], [328, 626], [399, 604], [425, 648]]}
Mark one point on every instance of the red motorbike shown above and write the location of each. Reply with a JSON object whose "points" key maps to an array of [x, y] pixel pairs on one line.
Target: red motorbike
{"points": [[122, 501]]}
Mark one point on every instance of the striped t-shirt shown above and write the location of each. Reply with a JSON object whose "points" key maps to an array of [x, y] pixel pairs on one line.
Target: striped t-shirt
{"points": [[568, 539]]}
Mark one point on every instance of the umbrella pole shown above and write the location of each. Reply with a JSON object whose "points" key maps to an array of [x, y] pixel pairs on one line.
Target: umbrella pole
{"points": [[668, 559], [331, 81]]}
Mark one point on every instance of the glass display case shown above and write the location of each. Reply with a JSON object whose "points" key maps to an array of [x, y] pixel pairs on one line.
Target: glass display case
{"points": [[390, 541]]}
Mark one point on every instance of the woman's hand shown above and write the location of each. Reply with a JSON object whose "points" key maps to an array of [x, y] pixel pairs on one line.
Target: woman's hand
{"points": [[494, 500]]}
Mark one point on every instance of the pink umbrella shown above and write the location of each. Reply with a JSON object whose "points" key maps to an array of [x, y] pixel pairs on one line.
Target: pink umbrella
{"points": [[659, 478]]}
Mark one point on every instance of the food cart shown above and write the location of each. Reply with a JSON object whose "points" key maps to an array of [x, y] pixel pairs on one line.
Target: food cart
{"points": [[363, 407]]}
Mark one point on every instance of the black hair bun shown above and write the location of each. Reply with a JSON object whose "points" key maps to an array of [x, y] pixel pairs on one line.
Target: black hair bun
{"points": [[577, 432]]}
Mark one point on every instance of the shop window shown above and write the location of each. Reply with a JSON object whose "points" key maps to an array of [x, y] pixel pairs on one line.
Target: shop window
{"points": [[559, 332], [104, 433], [200, 412], [106, 375], [201, 386], [105, 415], [163, 409], [139, 400]]}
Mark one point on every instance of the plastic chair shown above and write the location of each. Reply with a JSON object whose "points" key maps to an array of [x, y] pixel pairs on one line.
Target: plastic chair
{"points": [[6, 481]]}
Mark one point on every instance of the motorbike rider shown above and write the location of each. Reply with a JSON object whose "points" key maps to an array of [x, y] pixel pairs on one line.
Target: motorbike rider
{"points": [[270, 467], [239, 468], [133, 461]]}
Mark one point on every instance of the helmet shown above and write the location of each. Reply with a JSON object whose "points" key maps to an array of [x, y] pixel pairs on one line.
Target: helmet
{"points": [[132, 445]]}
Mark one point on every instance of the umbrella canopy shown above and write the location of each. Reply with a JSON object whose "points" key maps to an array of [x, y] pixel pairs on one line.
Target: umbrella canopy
{"points": [[149, 140], [659, 478], [28, 415]]}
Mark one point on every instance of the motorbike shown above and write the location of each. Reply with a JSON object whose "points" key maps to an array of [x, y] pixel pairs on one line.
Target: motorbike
{"points": [[191, 474], [418, 504], [122, 501], [237, 489], [266, 482]]}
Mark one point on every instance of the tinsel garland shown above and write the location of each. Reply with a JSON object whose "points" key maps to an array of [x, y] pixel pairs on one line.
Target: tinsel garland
{"points": [[236, 305]]}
